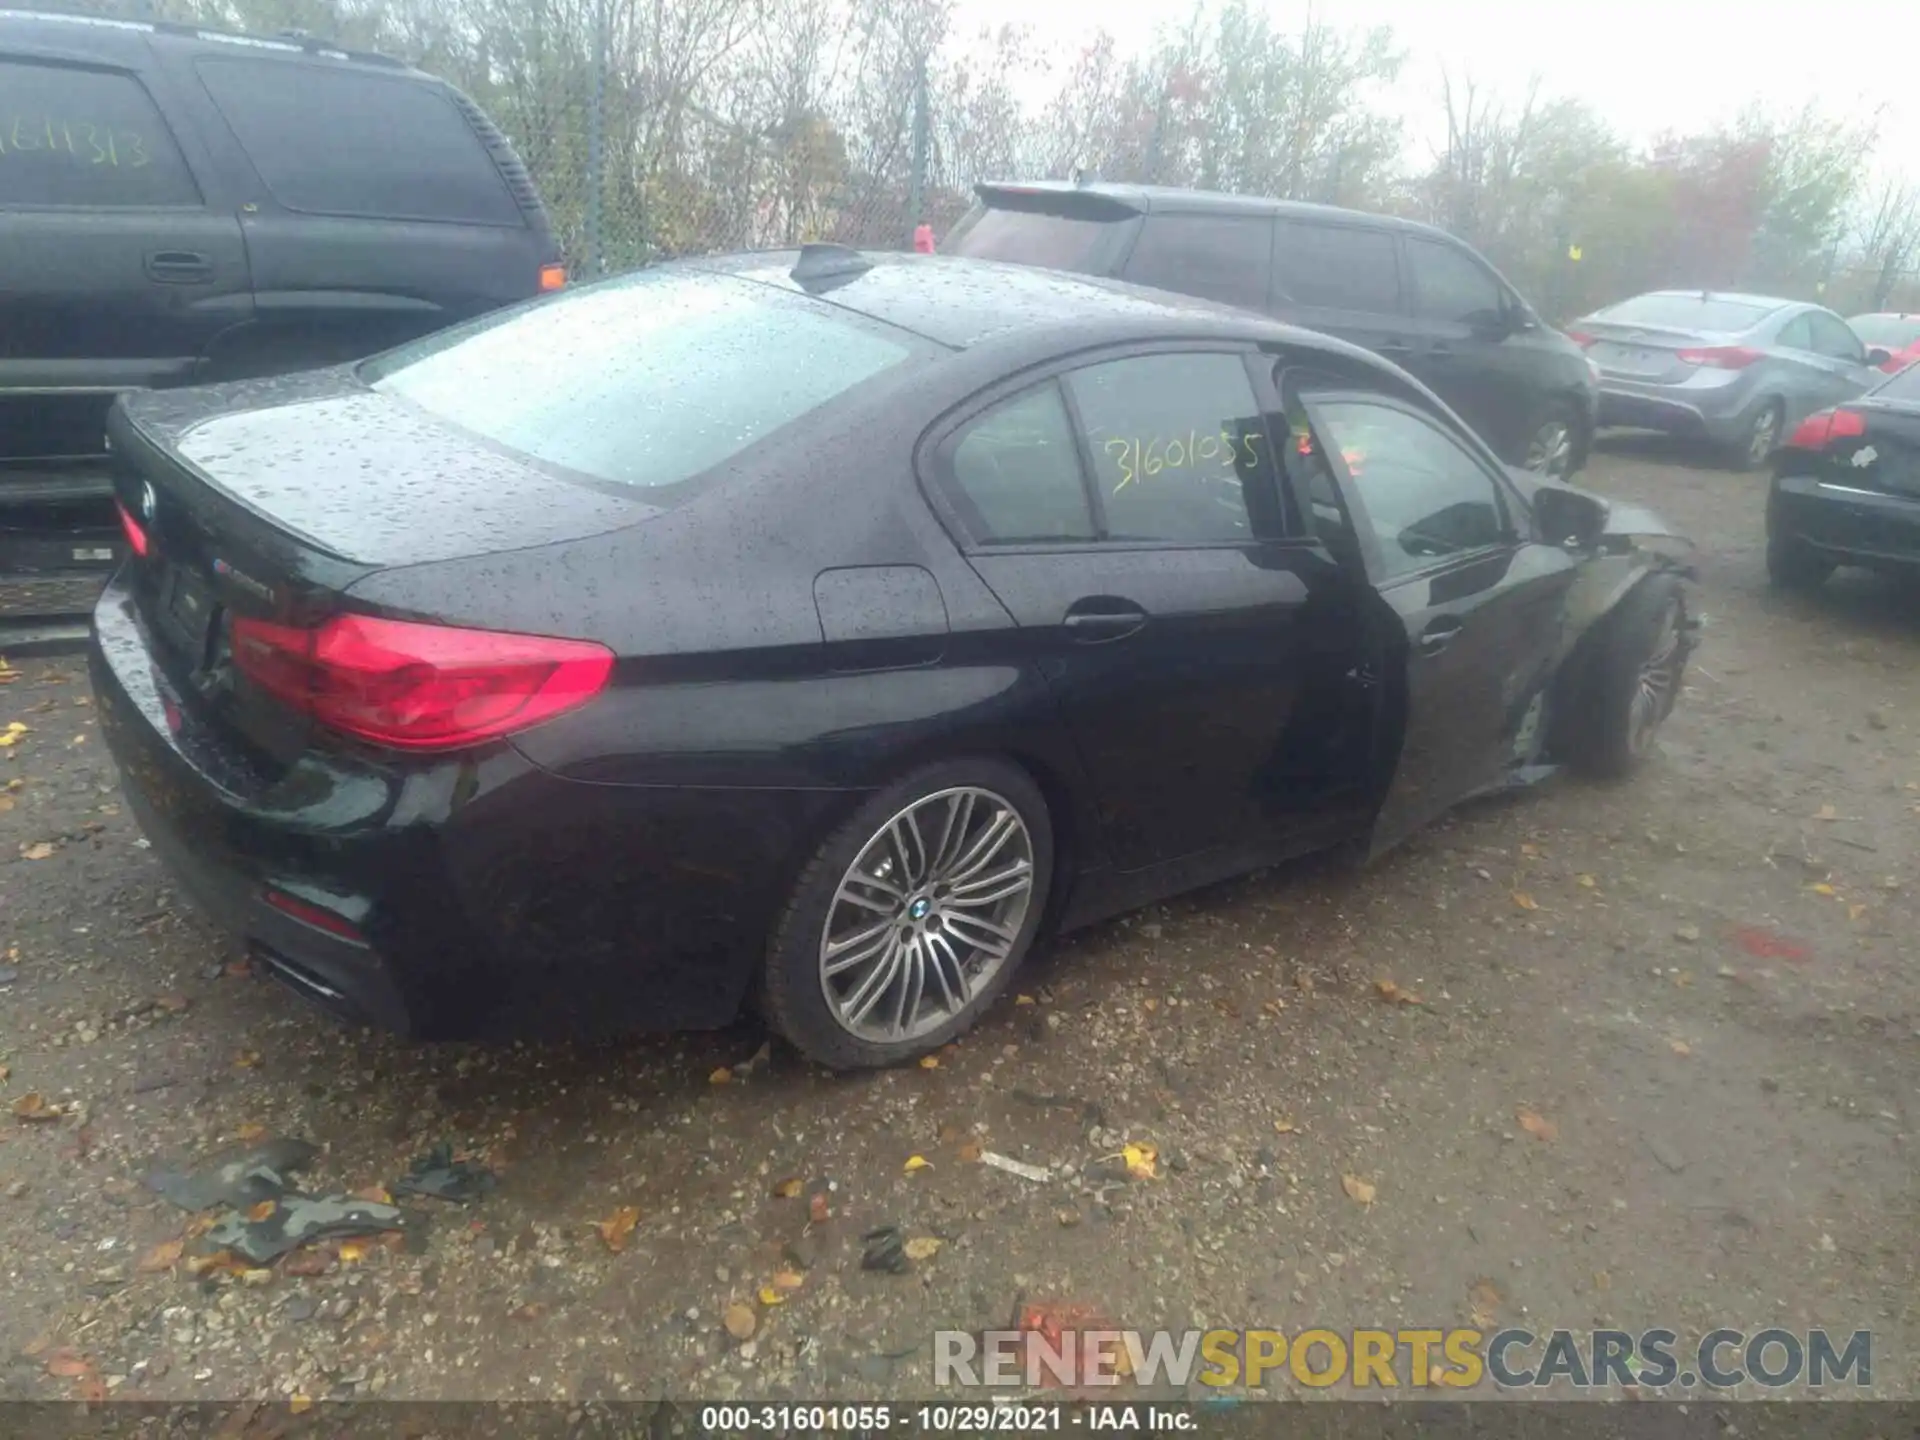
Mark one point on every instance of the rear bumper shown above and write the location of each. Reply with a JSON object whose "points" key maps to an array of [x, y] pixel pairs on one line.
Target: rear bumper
{"points": [[496, 900], [1846, 526], [1720, 416]]}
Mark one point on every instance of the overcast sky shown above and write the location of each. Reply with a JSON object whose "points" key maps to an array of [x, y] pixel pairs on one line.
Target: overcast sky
{"points": [[1647, 65]]}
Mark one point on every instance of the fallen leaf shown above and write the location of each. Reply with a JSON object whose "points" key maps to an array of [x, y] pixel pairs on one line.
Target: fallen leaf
{"points": [[307, 1261], [1273, 1007], [1587, 882], [740, 1321], [1483, 1300], [1023, 999], [173, 1005], [818, 1210], [5, 1071], [6, 803], [721, 1076], [788, 1189], [299, 1404], [352, 1252], [1531, 851], [771, 1296], [1764, 944], [1357, 1189], [1854, 912], [39, 850], [929, 1062], [247, 1060], [163, 1256], [917, 1163], [532, 1310], [1150, 1005], [1142, 1160], [1524, 901], [1394, 995], [1285, 1127], [33, 1107], [788, 1279], [1822, 888], [374, 1194], [1536, 1124], [922, 1247], [971, 1151], [1679, 1047], [1826, 812], [617, 1226], [263, 1211], [68, 1365], [220, 1260]]}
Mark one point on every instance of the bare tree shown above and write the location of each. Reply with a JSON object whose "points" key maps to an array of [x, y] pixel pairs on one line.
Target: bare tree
{"points": [[1889, 239]]}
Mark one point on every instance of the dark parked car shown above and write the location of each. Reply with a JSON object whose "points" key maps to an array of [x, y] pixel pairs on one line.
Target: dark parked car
{"points": [[1407, 291], [177, 206], [822, 627], [1738, 371], [1846, 489]]}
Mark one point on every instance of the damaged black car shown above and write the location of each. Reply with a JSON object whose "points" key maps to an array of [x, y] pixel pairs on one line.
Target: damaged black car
{"points": [[818, 630]]}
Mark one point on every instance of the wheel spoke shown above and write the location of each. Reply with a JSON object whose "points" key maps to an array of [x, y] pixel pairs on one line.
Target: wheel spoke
{"points": [[953, 834], [948, 973], [854, 949], [996, 834], [879, 905], [884, 886], [913, 980], [982, 934], [994, 887], [867, 995]]}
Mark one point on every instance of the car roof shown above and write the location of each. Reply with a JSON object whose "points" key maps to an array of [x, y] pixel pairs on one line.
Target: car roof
{"points": [[1174, 200], [1738, 297], [963, 303], [1885, 315], [124, 40]]}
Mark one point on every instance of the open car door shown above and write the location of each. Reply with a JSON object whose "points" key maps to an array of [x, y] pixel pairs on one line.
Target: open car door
{"points": [[1473, 608]]}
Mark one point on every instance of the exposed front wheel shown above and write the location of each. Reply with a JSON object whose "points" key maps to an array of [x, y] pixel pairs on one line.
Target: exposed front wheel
{"points": [[1550, 451], [1629, 677], [912, 917]]}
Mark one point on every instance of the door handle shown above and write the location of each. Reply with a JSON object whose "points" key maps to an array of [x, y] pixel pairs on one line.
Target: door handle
{"points": [[1115, 622], [1438, 635], [179, 267]]}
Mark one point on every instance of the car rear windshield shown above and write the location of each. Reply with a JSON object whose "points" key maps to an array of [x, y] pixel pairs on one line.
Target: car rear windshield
{"points": [[1688, 312], [647, 380], [1029, 237], [1895, 332]]}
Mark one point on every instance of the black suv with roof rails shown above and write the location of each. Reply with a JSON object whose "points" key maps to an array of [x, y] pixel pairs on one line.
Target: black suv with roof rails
{"points": [[179, 205], [1408, 291]]}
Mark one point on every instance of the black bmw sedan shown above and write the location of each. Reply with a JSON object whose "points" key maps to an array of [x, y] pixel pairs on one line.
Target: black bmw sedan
{"points": [[815, 630]]}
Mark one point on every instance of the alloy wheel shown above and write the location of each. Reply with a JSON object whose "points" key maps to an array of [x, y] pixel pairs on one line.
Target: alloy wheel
{"points": [[1550, 451], [1657, 685], [927, 915], [1766, 431]]}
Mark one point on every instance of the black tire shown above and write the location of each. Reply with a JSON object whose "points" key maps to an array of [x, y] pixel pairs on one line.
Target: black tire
{"points": [[1793, 565], [793, 991], [1598, 734], [1761, 438]]}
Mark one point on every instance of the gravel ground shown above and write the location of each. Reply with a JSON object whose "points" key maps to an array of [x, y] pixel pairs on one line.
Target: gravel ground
{"points": [[1699, 982]]}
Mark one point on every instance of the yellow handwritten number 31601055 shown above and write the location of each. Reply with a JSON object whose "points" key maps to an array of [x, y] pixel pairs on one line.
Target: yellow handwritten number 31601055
{"points": [[1137, 459]]}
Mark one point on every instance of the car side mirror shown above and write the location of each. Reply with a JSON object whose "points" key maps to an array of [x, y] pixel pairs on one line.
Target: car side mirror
{"points": [[1877, 357], [1570, 518]]}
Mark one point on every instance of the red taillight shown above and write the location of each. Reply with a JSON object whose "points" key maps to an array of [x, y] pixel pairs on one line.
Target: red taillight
{"points": [[1722, 357], [318, 916], [553, 277], [1823, 427], [419, 687], [135, 533], [1580, 338]]}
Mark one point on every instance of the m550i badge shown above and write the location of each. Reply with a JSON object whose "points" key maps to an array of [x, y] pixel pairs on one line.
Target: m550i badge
{"points": [[243, 580]]}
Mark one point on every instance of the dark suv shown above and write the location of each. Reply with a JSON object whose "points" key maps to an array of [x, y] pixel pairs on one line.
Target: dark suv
{"points": [[1412, 293], [179, 205]]}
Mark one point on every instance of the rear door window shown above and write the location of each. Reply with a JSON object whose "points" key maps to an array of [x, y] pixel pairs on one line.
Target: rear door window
{"points": [[1179, 449], [1336, 267], [1450, 285], [70, 135], [1832, 338], [1019, 469], [1796, 334], [1216, 257], [345, 142]]}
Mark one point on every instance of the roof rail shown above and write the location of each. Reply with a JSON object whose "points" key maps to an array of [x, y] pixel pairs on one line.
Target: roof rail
{"points": [[290, 41]]}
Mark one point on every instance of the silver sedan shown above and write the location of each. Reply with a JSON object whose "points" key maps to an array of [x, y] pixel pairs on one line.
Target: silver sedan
{"points": [[1734, 370]]}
